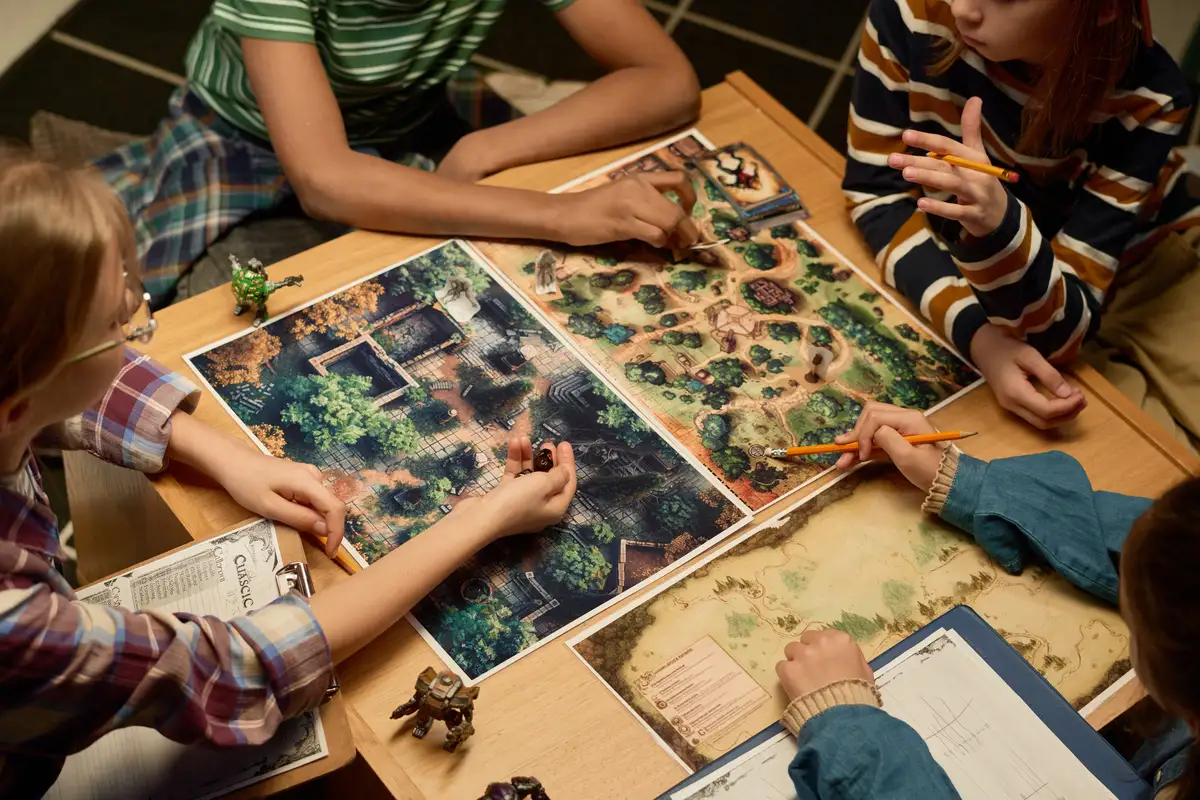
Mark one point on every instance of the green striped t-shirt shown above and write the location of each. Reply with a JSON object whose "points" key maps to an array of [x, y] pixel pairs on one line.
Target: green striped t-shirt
{"points": [[382, 56]]}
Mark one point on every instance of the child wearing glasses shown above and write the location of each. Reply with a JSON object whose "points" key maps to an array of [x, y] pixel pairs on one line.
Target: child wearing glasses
{"points": [[71, 672]]}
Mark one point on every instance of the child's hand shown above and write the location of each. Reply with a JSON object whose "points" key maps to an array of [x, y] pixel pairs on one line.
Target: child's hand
{"points": [[1010, 366], [819, 659], [283, 490], [529, 503], [880, 432], [631, 208], [981, 199]]}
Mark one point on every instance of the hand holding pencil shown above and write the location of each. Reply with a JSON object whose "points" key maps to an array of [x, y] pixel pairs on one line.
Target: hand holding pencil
{"points": [[962, 169], [883, 431]]}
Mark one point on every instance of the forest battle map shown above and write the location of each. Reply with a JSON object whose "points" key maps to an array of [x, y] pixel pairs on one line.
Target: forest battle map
{"points": [[404, 390], [769, 340]]}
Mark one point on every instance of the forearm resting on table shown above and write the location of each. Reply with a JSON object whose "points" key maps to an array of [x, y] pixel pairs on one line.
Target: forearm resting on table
{"points": [[369, 192], [354, 611], [201, 446], [623, 106]]}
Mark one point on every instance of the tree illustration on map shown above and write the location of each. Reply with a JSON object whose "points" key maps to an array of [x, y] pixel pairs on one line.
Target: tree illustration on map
{"points": [[769, 337]]}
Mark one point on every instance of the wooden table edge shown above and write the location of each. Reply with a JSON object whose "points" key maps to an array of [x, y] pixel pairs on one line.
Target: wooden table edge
{"points": [[804, 135]]}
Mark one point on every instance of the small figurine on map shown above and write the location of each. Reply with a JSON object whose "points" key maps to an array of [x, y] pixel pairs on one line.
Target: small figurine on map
{"points": [[441, 696], [545, 281], [458, 298], [251, 287], [518, 788]]}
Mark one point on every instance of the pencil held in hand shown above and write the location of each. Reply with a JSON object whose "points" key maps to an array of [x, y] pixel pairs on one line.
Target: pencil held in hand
{"points": [[1006, 175], [850, 447]]}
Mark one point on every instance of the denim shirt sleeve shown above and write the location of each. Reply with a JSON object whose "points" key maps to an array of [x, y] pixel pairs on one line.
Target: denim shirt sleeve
{"points": [[852, 752], [1044, 505]]}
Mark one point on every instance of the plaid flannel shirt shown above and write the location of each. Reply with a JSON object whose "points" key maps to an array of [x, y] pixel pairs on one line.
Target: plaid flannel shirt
{"points": [[71, 672]]}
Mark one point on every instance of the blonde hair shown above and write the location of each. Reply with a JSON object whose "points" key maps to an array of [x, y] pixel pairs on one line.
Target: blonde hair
{"points": [[57, 227]]}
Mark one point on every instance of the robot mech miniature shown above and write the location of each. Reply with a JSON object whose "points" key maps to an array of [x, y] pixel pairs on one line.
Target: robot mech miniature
{"points": [[441, 696]]}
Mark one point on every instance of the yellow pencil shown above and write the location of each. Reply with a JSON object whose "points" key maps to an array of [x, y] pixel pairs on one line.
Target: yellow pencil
{"points": [[1003, 174], [339, 557], [850, 447]]}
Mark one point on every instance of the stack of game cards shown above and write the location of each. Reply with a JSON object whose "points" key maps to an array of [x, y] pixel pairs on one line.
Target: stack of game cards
{"points": [[759, 194]]}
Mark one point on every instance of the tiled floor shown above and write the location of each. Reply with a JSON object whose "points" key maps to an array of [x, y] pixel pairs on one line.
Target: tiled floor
{"points": [[114, 62]]}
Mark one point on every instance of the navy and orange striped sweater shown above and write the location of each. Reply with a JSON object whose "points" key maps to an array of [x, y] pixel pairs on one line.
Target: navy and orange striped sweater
{"points": [[1072, 222]]}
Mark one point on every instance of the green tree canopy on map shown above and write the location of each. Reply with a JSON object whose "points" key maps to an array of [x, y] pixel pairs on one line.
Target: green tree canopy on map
{"points": [[432, 416], [784, 331], [651, 298], [458, 466], [618, 334], [599, 532], [423, 498], [824, 405], [733, 461], [479, 636], [427, 274], [674, 515], [601, 280], [765, 477], [623, 277], [807, 248], [760, 256], [759, 354], [569, 300], [820, 335], [785, 232], [616, 415], [716, 397], [907, 331], [714, 431], [727, 372], [645, 372], [487, 397], [689, 280], [680, 339], [668, 320], [588, 325], [336, 409], [821, 271], [577, 568]]}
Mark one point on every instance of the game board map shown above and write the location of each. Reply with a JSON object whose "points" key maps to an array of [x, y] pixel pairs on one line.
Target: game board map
{"points": [[773, 339], [723, 622], [404, 388]]}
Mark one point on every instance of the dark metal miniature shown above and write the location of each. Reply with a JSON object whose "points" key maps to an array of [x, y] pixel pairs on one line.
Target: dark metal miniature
{"points": [[441, 696], [251, 287], [516, 789]]}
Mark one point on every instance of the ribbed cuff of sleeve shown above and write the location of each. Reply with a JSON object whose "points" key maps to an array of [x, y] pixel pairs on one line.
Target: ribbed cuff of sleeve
{"points": [[843, 693], [942, 482]]}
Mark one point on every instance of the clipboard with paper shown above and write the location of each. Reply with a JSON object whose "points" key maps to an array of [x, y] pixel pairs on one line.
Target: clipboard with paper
{"points": [[230, 574]]}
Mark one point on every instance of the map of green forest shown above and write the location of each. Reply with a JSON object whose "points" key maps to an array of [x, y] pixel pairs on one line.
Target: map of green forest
{"points": [[862, 557], [766, 341], [407, 410]]}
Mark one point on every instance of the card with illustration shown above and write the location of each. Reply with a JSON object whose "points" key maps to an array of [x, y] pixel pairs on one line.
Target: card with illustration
{"points": [[748, 181]]}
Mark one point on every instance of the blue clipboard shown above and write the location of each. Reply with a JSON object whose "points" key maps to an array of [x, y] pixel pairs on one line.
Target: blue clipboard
{"points": [[1092, 750]]}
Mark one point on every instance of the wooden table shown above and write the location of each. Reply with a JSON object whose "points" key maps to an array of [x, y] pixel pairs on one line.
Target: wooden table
{"points": [[547, 715]]}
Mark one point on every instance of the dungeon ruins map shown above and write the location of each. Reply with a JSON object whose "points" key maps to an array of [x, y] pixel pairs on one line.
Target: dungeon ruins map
{"points": [[769, 340], [696, 659], [404, 389]]}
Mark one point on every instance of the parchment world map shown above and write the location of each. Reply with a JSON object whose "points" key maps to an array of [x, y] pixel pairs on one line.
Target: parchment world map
{"points": [[862, 557]]}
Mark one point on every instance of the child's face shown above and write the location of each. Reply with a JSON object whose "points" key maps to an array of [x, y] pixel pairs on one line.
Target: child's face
{"points": [[1010, 30], [79, 386]]}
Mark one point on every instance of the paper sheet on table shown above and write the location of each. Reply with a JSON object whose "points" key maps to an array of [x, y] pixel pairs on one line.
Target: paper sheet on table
{"points": [[226, 576], [979, 730]]}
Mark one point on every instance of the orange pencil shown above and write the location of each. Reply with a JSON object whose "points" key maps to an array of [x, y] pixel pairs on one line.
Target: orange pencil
{"points": [[1003, 174], [340, 558], [850, 447]]}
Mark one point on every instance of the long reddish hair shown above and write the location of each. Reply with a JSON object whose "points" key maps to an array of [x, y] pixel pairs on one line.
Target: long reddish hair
{"points": [[1098, 42]]}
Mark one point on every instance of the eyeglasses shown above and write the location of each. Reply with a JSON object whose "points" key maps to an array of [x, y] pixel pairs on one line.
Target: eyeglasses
{"points": [[137, 321]]}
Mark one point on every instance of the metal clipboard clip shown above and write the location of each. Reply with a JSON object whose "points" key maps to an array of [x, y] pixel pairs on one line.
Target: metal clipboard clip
{"points": [[296, 578]]}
